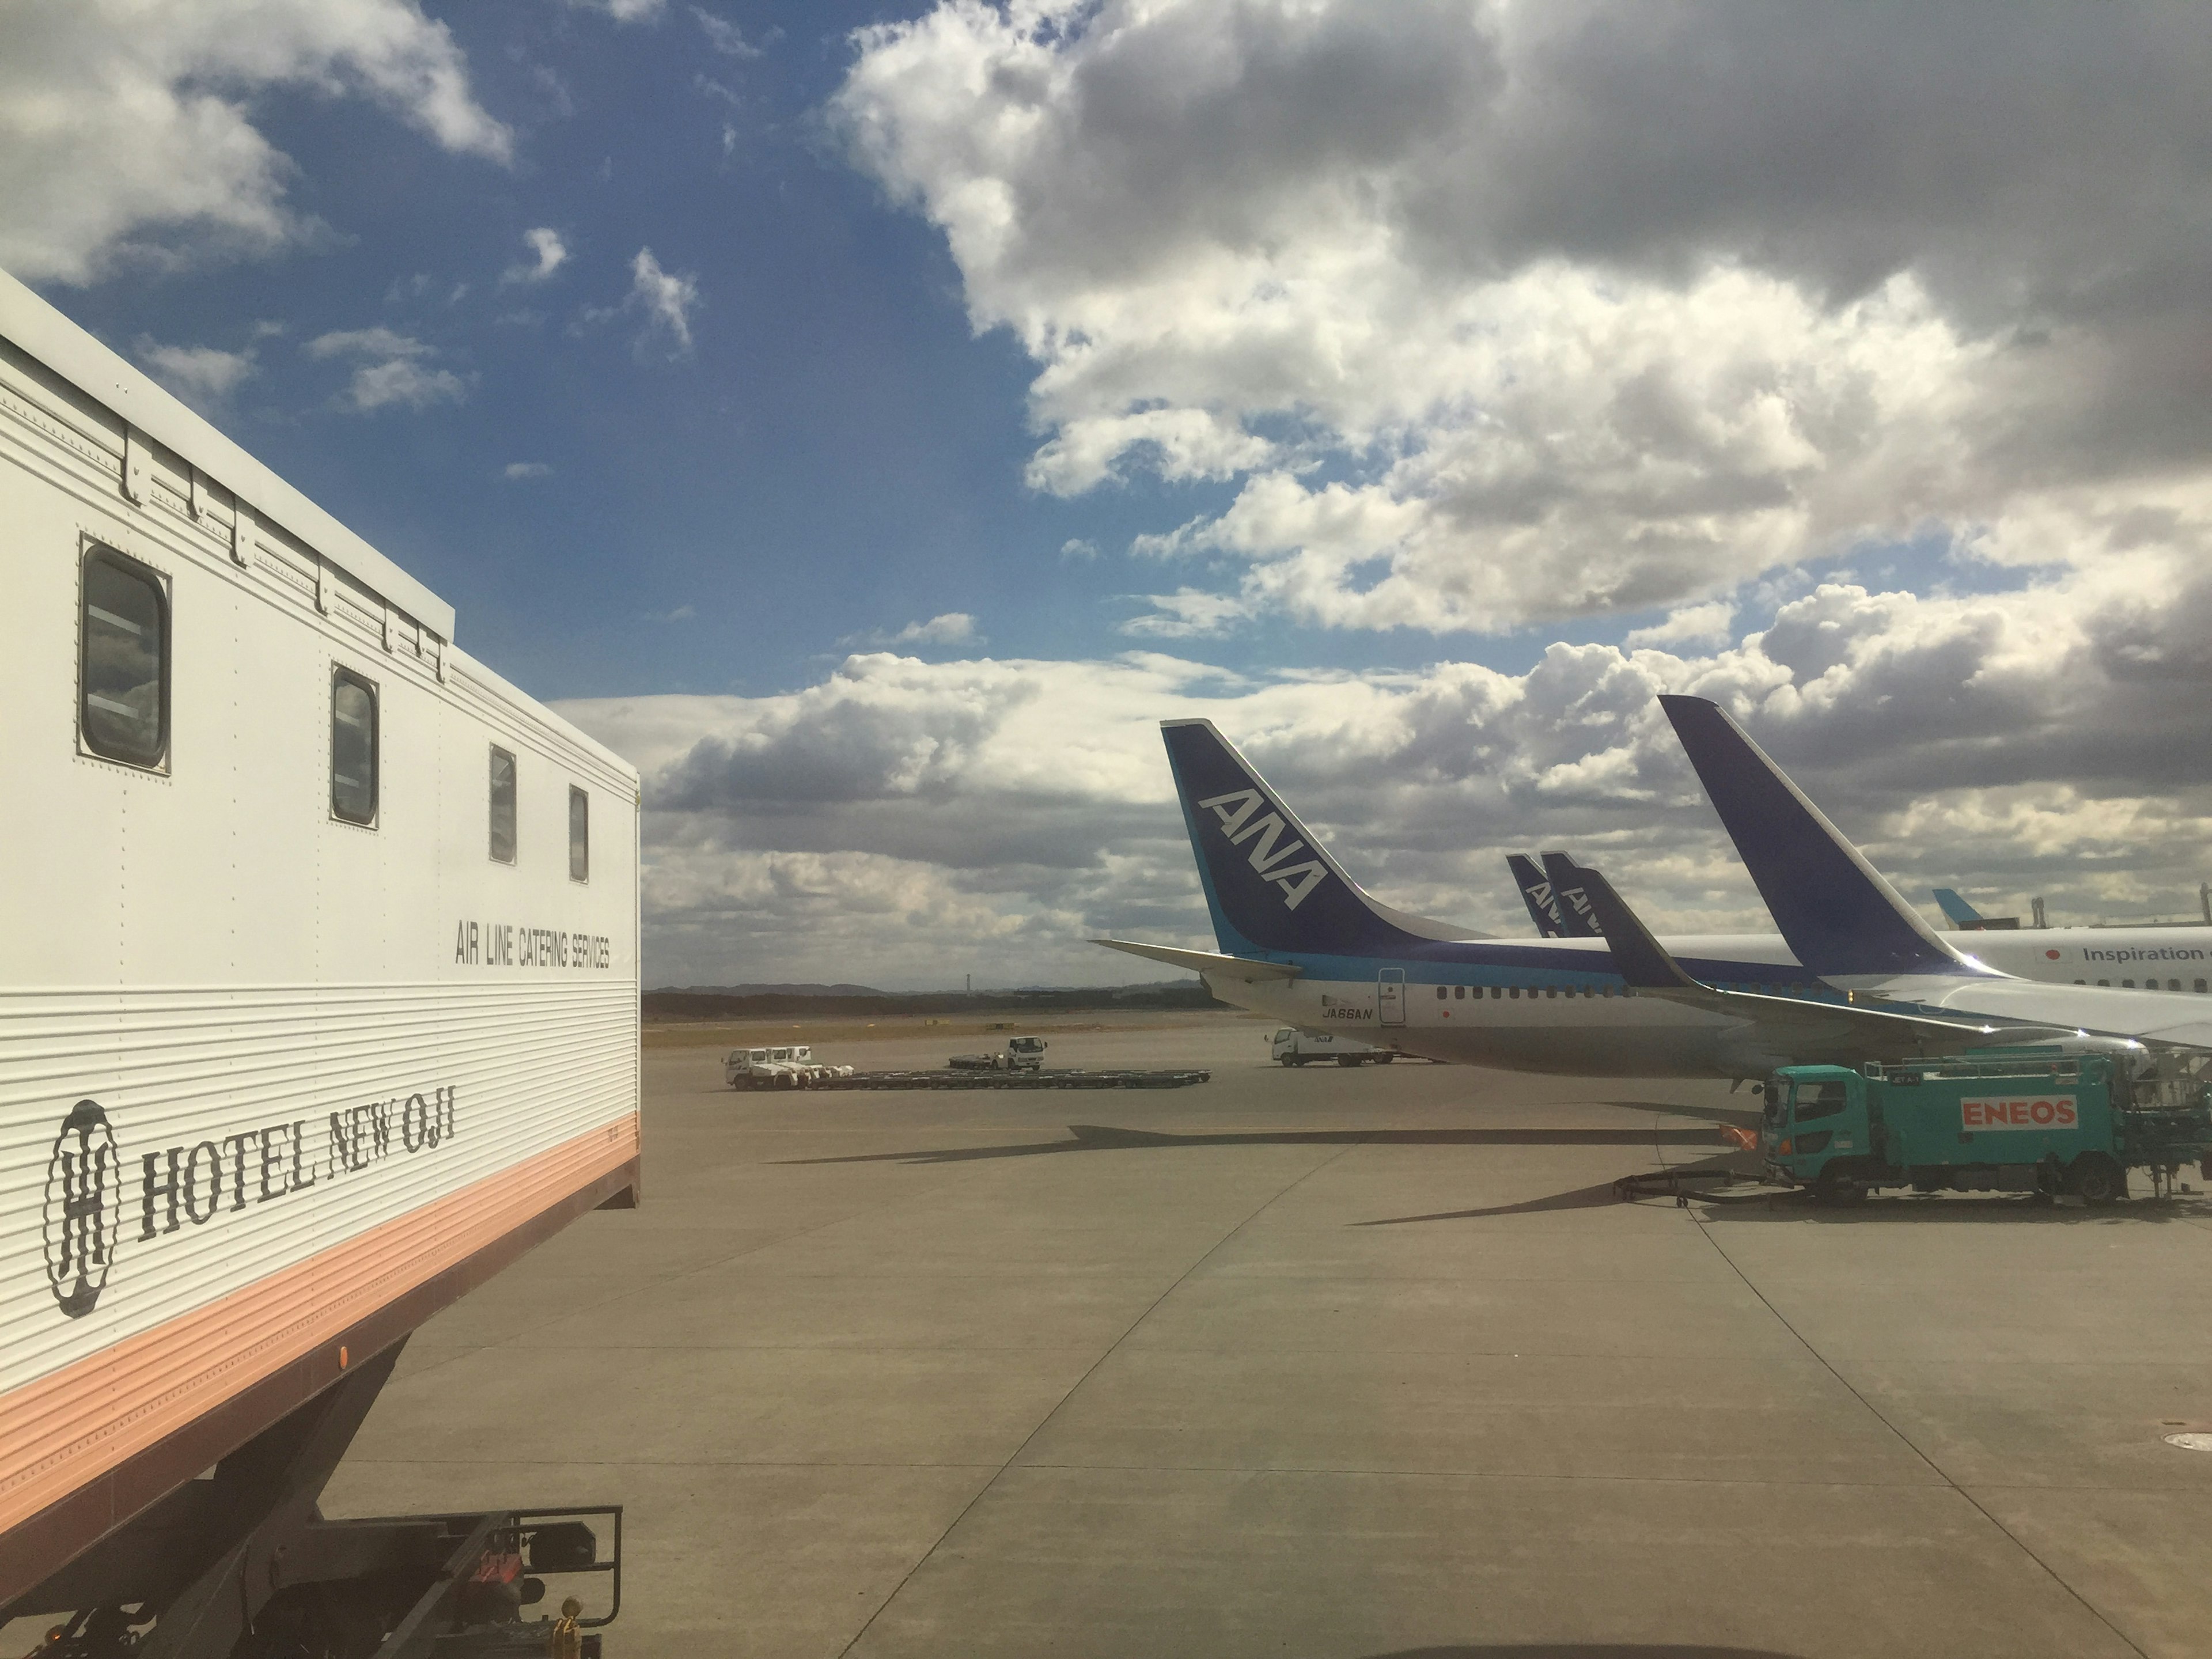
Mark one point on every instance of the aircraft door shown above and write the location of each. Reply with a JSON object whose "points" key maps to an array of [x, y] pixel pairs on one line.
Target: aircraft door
{"points": [[1390, 997]]}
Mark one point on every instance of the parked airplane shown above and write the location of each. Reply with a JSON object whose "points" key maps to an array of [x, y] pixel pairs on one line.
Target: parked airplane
{"points": [[1302, 943], [1558, 912], [1849, 925], [1963, 915]]}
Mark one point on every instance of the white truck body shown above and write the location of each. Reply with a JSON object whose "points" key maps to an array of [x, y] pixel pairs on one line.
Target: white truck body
{"points": [[1292, 1046], [292, 1059], [791, 1065]]}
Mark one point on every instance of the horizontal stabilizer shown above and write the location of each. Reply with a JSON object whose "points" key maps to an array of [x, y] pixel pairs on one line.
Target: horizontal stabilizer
{"points": [[1204, 962], [1838, 914]]}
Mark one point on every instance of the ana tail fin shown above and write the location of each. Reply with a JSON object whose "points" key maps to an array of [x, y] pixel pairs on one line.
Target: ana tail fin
{"points": [[1576, 910], [1836, 912], [1269, 884], [1536, 893]]}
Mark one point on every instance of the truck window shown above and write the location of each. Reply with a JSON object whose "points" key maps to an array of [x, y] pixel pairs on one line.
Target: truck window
{"points": [[353, 748], [123, 661], [579, 835], [502, 806], [1818, 1100]]}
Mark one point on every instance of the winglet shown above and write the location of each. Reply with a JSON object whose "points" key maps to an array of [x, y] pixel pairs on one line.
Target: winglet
{"points": [[1636, 956], [1537, 894], [1838, 914]]}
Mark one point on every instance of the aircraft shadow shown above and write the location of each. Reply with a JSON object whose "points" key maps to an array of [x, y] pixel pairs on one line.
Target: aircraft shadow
{"points": [[1581, 1650], [1581, 1198], [1098, 1138]]}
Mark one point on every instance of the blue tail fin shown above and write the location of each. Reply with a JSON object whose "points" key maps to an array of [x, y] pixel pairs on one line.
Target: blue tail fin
{"points": [[1268, 883], [1836, 913], [1961, 913], [1573, 893], [1536, 893]]}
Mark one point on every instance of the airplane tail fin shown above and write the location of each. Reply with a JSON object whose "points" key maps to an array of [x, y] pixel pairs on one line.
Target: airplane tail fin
{"points": [[1269, 884], [1835, 911], [1536, 893], [1956, 910], [1576, 910]]}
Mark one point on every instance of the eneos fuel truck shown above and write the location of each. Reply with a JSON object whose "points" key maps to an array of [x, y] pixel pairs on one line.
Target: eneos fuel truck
{"points": [[2020, 1122]]}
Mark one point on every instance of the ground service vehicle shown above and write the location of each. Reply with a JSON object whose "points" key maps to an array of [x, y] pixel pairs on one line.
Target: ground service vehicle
{"points": [[1292, 1046], [791, 1065], [2017, 1124], [322, 1007], [1021, 1053]]}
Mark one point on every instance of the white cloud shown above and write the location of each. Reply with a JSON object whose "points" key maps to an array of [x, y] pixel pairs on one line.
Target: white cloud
{"points": [[901, 817], [548, 254], [625, 11], [514, 470], [390, 370], [1499, 313], [724, 36], [126, 131], [201, 375], [952, 627], [1187, 613], [666, 298], [1694, 624]]}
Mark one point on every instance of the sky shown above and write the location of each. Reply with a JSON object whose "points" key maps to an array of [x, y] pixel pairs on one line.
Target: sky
{"points": [[872, 420]]}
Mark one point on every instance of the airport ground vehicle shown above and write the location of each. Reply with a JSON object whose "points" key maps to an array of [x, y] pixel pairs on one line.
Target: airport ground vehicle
{"points": [[1021, 1053], [790, 1065], [2021, 1122], [322, 1004], [1292, 1046]]}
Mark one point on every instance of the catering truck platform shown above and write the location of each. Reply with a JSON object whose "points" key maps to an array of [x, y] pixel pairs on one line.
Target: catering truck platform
{"points": [[2023, 1123], [320, 1007]]}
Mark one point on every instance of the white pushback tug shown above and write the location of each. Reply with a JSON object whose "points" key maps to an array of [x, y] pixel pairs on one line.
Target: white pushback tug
{"points": [[321, 1005]]}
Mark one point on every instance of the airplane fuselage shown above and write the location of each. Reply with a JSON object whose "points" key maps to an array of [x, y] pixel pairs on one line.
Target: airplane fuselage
{"points": [[1558, 1006]]}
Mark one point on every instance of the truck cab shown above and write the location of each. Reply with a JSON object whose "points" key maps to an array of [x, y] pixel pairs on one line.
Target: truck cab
{"points": [[1816, 1127]]}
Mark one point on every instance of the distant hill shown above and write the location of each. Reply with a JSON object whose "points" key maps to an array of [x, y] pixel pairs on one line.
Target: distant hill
{"points": [[759, 1001]]}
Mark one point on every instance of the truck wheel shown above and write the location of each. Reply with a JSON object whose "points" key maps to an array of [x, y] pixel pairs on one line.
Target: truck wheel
{"points": [[1833, 1187], [1384, 1060], [1347, 1059], [2095, 1179]]}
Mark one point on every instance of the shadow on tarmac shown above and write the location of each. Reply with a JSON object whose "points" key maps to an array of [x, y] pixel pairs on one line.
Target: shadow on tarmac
{"points": [[1580, 1650], [1097, 1137], [1583, 1197]]}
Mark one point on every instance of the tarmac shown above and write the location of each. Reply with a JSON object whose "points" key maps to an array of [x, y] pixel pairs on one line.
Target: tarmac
{"points": [[1327, 1362]]}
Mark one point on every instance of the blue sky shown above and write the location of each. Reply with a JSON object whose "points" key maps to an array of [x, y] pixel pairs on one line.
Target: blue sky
{"points": [[1450, 378]]}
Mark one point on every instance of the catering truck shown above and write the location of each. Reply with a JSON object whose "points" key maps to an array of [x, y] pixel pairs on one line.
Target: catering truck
{"points": [[321, 1006], [2020, 1123]]}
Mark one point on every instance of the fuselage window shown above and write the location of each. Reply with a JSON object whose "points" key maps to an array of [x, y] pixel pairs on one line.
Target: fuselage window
{"points": [[579, 835], [2173, 985], [1442, 994], [123, 661], [1551, 990], [2128, 984], [1496, 992], [502, 806], [1515, 993], [1459, 992], [2104, 981], [353, 748], [2200, 987]]}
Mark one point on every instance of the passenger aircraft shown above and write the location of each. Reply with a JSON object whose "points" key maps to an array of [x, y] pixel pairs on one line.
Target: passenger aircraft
{"points": [[1301, 942], [1848, 925]]}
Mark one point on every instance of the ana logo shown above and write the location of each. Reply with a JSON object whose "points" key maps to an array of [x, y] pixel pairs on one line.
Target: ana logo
{"points": [[1242, 820], [82, 1206]]}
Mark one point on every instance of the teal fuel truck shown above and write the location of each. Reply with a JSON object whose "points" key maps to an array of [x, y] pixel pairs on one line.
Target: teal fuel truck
{"points": [[2008, 1121]]}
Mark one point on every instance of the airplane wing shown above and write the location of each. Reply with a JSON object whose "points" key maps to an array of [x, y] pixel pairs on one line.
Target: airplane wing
{"points": [[1536, 893], [1806, 1028], [1845, 923], [1204, 962]]}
